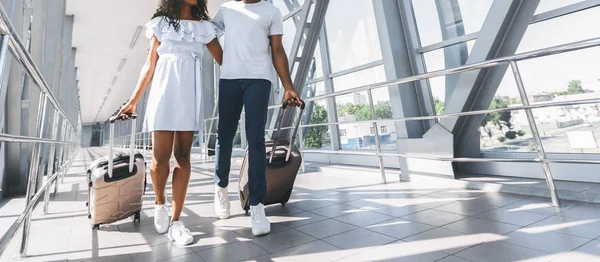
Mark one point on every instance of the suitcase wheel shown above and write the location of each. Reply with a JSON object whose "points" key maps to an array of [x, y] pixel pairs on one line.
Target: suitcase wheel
{"points": [[97, 226], [87, 204], [89, 216], [136, 217], [247, 209]]}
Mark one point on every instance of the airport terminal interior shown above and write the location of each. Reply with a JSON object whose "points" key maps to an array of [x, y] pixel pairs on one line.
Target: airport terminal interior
{"points": [[433, 130]]}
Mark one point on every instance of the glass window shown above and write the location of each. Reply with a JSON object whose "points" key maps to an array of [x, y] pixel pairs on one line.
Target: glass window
{"points": [[343, 133], [372, 130], [571, 28], [442, 20], [548, 5], [352, 34], [383, 129]]}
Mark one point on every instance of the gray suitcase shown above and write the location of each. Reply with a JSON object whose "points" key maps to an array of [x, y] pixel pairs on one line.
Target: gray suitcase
{"points": [[116, 184]]}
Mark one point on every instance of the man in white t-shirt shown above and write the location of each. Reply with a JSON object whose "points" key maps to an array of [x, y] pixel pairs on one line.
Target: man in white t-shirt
{"points": [[253, 45]]}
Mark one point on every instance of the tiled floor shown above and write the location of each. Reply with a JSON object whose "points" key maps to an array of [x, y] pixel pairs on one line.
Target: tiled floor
{"points": [[345, 216]]}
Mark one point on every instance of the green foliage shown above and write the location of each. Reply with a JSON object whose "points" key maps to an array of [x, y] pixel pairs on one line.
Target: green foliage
{"points": [[439, 106], [317, 135], [575, 87], [383, 110], [521, 133], [511, 135], [502, 139], [498, 119]]}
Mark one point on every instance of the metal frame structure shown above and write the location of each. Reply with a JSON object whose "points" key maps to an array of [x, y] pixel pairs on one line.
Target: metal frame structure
{"points": [[511, 60], [66, 146]]}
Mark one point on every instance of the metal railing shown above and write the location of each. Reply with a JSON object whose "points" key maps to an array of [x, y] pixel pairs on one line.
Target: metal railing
{"points": [[143, 141], [67, 143]]}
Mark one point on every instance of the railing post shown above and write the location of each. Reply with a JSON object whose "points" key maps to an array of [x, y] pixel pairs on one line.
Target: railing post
{"points": [[50, 171], [301, 142], [60, 158], [377, 141], [33, 171], [536, 135]]}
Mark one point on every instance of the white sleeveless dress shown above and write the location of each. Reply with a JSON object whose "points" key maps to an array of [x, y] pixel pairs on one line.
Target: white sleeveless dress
{"points": [[175, 99]]}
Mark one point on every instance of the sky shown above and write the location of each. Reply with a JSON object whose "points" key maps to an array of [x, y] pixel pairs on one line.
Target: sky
{"points": [[353, 41]]}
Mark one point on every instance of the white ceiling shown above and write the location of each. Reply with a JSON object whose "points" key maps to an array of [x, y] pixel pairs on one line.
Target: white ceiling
{"points": [[104, 34]]}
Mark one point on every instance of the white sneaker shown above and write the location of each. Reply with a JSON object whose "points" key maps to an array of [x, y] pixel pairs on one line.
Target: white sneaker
{"points": [[260, 224], [222, 203], [161, 219], [179, 234]]}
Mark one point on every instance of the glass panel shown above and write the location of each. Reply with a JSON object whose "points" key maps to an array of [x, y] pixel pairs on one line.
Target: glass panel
{"points": [[316, 137], [548, 5], [439, 20], [360, 78], [448, 57], [352, 34], [571, 28]]}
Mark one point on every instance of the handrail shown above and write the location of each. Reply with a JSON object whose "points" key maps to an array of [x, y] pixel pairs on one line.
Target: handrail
{"points": [[25, 59], [28, 139], [559, 49], [12, 230]]}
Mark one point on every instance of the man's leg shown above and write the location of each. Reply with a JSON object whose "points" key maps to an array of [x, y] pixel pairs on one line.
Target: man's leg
{"points": [[256, 102], [230, 108]]}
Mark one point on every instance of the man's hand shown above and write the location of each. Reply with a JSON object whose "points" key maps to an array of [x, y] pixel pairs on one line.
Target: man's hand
{"points": [[292, 97]]}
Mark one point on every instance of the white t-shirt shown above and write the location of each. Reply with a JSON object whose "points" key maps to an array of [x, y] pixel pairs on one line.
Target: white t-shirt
{"points": [[247, 50]]}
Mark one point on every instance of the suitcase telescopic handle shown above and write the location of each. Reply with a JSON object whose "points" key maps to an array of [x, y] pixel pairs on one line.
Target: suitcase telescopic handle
{"points": [[284, 106], [112, 121]]}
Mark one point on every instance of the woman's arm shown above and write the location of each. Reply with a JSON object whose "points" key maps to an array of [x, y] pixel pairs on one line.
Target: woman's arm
{"points": [[146, 76], [214, 47]]}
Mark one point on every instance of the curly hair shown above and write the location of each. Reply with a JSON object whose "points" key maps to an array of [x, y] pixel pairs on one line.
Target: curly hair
{"points": [[171, 10]]}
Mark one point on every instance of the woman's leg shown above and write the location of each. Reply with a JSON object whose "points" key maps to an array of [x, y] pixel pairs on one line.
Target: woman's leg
{"points": [[181, 174], [162, 148]]}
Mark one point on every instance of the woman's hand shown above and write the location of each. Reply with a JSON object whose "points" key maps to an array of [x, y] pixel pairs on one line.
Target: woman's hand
{"points": [[128, 108]]}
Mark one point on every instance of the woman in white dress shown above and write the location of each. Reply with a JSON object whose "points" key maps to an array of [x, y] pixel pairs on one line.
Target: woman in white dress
{"points": [[178, 31]]}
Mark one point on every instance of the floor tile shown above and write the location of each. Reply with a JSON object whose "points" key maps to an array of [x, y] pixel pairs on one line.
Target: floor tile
{"points": [[473, 225], [203, 241], [186, 258], [586, 211], [336, 211], [588, 252], [246, 232], [282, 240], [311, 204], [363, 219], [144, 253], [326, 228], [465, 208], [233, 252], [549, 242], [588, 228], [359, 238], [496, 199], [502, 252], [540, 205], [434, 217], [515, 217], [398, 252], [452, 259], [449, 241], [297, 220], [396, 211], [399, 228], [457, 194], [313, 251]]}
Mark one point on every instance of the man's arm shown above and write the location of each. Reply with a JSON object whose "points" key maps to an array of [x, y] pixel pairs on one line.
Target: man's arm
{"points": [[280, 61]]}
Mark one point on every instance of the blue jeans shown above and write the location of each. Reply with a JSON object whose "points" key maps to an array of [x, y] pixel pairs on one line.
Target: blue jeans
{"points": [[253, 95]]}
